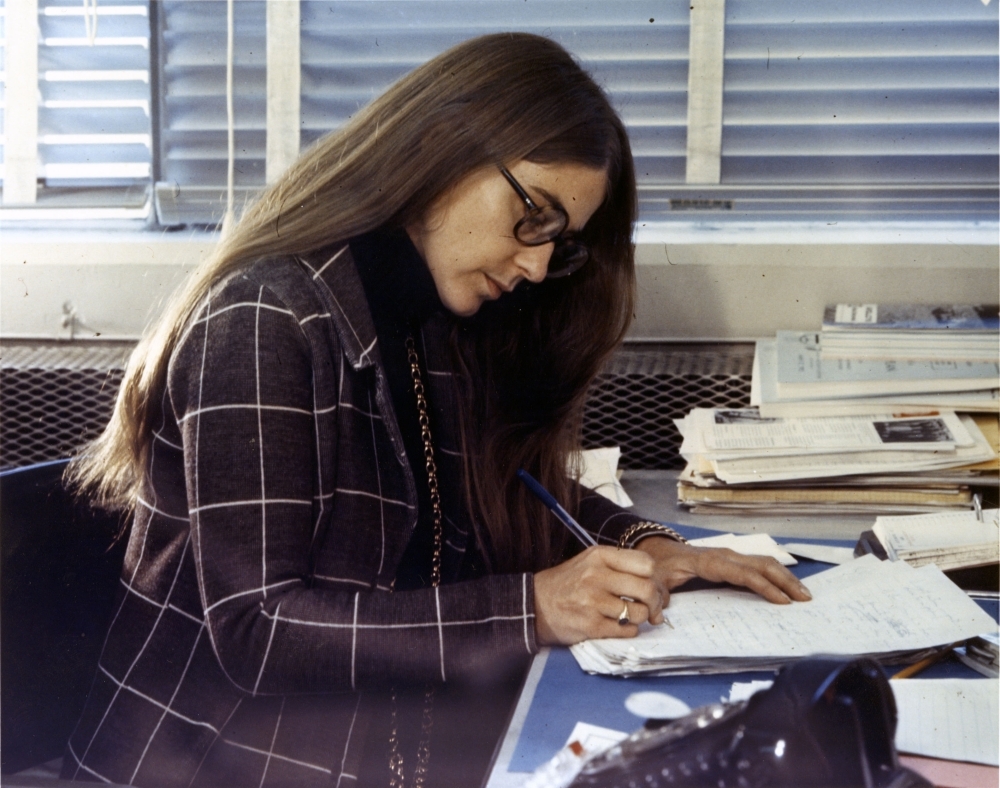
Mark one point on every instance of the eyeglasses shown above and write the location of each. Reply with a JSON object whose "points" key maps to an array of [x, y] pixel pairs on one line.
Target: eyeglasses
{"points": [[547, 224]]}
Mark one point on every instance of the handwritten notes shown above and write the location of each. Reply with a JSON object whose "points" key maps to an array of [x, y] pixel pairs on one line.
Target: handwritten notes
{"points": [[865, 607]]}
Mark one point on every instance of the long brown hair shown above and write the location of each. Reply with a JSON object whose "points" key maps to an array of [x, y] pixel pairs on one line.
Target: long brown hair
{"points": [[493, 99]]}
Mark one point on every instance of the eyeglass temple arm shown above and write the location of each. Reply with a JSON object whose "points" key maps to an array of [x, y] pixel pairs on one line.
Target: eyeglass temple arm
{"points": [[517, 187]]}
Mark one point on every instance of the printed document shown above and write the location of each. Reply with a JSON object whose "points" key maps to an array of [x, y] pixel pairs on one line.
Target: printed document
{"points": [[740, 432]]}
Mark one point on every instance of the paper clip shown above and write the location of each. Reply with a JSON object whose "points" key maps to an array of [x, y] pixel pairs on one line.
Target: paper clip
{"points": [[977, 504]]}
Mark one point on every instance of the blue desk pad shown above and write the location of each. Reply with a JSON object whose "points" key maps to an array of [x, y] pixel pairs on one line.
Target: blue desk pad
{"points": [[566, 695]]}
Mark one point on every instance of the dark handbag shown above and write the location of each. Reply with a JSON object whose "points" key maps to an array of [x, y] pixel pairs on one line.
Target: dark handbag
{"points": [[824, 722]]}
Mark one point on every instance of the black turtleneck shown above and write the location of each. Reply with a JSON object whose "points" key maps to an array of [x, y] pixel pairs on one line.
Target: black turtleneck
{"points": [[402, 296]]}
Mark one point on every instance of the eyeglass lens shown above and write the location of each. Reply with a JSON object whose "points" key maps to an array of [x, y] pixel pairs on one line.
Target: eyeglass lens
{"points": [[540, 226], [567, 258], [546, 224]]}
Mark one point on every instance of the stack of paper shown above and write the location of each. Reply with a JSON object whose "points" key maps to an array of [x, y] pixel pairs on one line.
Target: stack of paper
{"points": [[862, 428], [793, 376], [869, 607], [969, 332], [982, 654], [951, 540], [739, 460]]}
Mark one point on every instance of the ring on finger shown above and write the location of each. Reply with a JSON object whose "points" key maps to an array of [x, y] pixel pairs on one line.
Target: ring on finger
{"points": [[623, 619]]}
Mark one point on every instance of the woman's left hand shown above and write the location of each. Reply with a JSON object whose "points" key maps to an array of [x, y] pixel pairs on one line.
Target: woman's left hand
{"points": [[676, 563]]}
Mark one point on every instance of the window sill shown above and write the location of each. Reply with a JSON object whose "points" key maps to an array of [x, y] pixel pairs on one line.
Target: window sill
{"points": [[975, 233], [95, 230]]}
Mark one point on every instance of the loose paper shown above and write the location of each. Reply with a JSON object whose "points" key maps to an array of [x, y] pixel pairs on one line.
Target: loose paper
{"points": [[955, 719], [747, 544], [865, 607], [599, 471], [827, 554]]}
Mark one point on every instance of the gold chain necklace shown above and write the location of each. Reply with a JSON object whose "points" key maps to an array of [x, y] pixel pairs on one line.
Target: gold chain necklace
{"points": [[397, 778], [432, 474]]}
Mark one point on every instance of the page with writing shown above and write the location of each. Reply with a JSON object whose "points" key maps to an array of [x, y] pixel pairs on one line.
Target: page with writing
{"points": [[955, 719], [888, 610], [936, 530], [863, 607], [843, 575]]}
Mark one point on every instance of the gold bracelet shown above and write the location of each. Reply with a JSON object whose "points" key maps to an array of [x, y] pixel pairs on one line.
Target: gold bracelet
{"points": [[639, 531]]}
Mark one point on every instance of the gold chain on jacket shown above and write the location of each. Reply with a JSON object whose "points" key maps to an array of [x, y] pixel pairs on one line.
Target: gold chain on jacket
{"points": [[432, 473], [397, 778]]}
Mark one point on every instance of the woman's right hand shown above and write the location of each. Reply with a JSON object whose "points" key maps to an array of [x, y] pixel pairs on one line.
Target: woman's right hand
{"points": [[582, 597]]}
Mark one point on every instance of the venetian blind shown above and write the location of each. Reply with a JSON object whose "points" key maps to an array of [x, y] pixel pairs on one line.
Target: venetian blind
{"points": [[863, 109], [94, 124], [351, 51], [831, 108]]}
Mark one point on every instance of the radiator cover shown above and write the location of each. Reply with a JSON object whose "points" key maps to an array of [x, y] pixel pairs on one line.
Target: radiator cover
{"points": [[55, 396], [644, 387]]}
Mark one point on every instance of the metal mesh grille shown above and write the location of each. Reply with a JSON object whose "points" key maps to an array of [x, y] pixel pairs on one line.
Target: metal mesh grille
{"points": [[54, 397], [644, 387]]}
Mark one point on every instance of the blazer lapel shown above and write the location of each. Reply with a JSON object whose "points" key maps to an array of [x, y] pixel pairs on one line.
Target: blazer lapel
{"points": [[340, 288], [339, 285]]}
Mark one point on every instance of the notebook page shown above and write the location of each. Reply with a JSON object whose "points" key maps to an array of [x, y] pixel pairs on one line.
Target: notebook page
{"points": [[937, 530], [955, 719]]}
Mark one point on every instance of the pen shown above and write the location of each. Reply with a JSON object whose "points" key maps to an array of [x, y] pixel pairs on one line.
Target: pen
{"points": [[926, 662], [565, 518]]}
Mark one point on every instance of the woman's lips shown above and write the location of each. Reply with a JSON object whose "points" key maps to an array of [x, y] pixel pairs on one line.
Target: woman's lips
{"points": [[495, 289]]}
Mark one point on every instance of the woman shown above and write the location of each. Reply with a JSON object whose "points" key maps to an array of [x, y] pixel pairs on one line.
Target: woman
{"points": [[320, 440]]}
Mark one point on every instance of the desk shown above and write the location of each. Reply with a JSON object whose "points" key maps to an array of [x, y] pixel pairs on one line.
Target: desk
{"points": [[557, 694]]}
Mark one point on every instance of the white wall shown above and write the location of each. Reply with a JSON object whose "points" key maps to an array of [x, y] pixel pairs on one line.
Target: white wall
{"points": [[116, 282], [691, 290], [731, 291]]}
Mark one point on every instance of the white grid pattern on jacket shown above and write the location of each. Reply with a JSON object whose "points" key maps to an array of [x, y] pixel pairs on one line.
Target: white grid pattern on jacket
{"points": [[277, 504]]}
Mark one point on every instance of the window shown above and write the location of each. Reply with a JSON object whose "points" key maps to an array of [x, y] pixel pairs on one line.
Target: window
{"points": [[830, 109], [822, 110], [855, 109], [351, 51], [93, 142]]}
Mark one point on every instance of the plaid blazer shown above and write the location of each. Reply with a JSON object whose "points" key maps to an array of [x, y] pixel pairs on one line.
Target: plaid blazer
{"points": [[254, 609]]}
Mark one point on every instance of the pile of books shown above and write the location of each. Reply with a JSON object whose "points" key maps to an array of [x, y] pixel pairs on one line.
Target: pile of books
{"points": [[889, 409]]}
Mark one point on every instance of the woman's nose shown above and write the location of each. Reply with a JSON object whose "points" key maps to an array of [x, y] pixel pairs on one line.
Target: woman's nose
{"points": [[533, 261]]}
